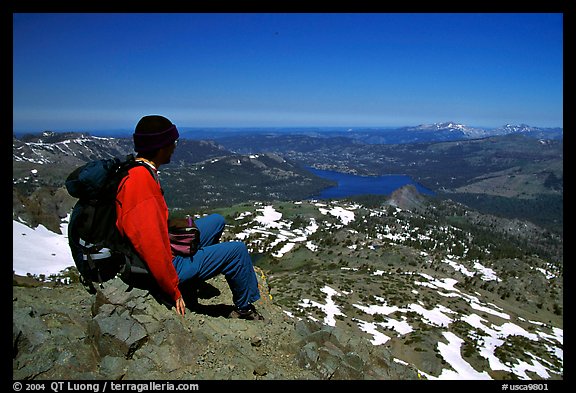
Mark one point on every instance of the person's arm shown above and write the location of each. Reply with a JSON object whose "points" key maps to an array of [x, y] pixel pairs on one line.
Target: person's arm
{"points": [[142, 218]]}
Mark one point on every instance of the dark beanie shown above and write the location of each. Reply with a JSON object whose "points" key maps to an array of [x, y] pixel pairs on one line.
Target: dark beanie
{"points": [[154, 132]]}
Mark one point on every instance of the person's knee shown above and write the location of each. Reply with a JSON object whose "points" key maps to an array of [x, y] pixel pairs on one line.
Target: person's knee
{"points": [[240, 250], [238, 246], [218, 221]]}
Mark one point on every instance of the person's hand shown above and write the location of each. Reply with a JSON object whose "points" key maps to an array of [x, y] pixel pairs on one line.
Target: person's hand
{"points": [[180, 306]]}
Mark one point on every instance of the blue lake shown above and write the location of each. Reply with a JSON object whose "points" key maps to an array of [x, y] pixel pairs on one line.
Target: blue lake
{"points": [[352, 185]]}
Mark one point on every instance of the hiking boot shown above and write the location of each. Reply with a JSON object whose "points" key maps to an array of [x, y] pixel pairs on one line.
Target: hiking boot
{"points": [[249, 314]]}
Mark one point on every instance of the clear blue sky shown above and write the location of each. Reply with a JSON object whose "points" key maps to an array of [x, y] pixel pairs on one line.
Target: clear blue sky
{"points": [[104, 71]]}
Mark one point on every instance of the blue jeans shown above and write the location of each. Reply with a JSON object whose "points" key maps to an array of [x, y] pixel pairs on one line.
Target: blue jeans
{"points": [[212, 258]]}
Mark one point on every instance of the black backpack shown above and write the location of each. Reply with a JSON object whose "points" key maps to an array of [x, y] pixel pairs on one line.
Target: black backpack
{"points": [[99, 251]]}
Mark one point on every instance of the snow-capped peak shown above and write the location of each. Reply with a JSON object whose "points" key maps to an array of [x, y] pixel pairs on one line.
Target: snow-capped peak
{"points": [[451, 126]]}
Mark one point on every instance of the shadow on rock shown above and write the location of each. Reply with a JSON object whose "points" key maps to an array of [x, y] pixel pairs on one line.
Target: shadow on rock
{"points": [[192, 291], [212, 310]]}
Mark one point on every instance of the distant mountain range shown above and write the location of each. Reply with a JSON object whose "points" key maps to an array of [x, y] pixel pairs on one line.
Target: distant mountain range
{"points": [[460, 131], [475, 132], [444, 131]]}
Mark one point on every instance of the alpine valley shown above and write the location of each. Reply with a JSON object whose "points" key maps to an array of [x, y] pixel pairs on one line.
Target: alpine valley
{"points": [[466, 283]]}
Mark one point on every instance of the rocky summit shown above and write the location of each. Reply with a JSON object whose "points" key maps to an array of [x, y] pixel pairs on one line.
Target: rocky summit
{"points": [[61, 332]]}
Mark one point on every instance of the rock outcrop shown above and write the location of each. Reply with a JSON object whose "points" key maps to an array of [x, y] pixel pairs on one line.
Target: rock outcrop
{"points": [[60, 332], [407, 198]]}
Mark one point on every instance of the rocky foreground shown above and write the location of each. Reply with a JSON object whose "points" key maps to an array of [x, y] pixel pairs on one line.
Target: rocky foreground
{"points": [[61, 332]]}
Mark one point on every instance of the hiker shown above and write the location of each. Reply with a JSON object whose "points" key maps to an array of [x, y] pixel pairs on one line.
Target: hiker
{"points": [[142, 216]]}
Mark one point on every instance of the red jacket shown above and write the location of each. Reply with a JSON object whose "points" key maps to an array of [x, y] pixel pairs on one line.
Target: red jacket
{"points": [[142, 216]]}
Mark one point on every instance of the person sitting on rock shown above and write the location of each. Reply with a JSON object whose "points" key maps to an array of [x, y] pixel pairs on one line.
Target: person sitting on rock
{"points": [[142, 216]]}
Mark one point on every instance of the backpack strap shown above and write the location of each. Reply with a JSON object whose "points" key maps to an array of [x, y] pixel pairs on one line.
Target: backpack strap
{"points": [[129, 163], [151, 168]]}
